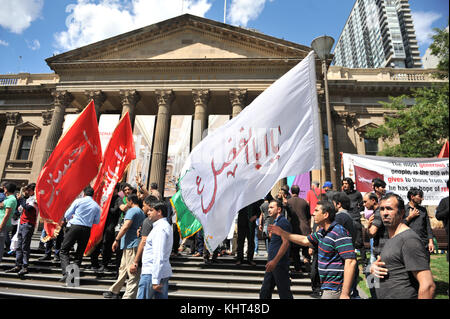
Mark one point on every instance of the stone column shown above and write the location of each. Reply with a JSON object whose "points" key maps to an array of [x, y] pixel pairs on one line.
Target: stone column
{"points": [[129, 99], [200, 123], [164, 99], [62, 99], [238, 98], [11, 120], [99, 98]]}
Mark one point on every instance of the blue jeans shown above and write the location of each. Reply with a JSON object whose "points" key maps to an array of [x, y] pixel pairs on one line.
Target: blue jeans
{"points": [[24, 238], [372, 256], [200, 242], [145, 288]]}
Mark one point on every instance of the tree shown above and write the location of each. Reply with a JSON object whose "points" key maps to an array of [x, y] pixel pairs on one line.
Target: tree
{"points": [[439, 48], [424, 126]]}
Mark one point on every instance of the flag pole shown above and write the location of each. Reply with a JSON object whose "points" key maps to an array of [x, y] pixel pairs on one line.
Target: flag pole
{"points": [[225, 11]]}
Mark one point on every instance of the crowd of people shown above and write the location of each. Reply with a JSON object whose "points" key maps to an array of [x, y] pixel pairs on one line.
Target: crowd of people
{"points": [[321, 235]]}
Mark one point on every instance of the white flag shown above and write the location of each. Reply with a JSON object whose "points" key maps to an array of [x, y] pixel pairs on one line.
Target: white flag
{"points": [[276, 136]]}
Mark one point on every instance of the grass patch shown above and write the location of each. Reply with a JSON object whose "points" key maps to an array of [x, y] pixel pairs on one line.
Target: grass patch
{"points": [[439, 269]]}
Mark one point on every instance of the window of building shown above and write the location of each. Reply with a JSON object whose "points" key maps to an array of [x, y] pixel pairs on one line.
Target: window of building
{"points": [[398, 49], [397, 37], [371, 146], [24, 144], [25, 148]]}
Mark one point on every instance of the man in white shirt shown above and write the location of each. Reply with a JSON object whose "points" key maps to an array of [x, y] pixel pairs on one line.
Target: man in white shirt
{"points": [[156, 269]]}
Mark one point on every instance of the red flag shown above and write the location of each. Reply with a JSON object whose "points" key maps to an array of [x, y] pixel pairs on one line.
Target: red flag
{"points": [[444, 151], [72, 165], [118, 154], [364, 177]]}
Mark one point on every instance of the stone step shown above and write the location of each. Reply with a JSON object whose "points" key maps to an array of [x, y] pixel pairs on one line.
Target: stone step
{"points": [[91, 278], [92, 288], [24, 293], [192, 278]]}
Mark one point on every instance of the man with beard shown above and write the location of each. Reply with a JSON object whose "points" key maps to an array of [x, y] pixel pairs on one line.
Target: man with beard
{"points": [[402, 266], [277, 267]]}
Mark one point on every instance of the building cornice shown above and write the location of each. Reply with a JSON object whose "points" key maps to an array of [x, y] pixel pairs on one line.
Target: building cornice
{"points": [[177, 64]]}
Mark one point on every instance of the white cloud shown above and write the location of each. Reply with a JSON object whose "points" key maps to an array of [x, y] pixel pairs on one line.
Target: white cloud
{"points": [[17, 15], [423, 25], [242, 11], [33, 45], [90, 21], [4, 43]]}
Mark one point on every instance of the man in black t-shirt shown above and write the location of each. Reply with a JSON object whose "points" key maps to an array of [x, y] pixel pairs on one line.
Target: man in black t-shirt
{"points": [[356, 207], [417, 219], [402, 266]]}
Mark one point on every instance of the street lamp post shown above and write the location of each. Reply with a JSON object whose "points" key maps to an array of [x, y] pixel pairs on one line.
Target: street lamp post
{"points": [[322, 46]]}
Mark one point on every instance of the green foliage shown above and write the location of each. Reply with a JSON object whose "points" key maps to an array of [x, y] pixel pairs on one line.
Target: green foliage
{"points": [[423, 126], [440, 49]]}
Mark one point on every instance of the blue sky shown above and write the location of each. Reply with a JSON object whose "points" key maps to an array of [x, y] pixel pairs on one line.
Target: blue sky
{"points": [[33, 30]]}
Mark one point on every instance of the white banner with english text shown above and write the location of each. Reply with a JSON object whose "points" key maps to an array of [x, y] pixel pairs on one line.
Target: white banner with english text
{"points": [[400, 174]]}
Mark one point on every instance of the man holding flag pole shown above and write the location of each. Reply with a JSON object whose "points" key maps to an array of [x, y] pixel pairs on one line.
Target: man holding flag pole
{"points": [[276, 136]]}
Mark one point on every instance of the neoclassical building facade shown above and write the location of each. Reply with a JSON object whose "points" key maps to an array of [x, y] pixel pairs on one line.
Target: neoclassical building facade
{"points": [[185, 66]]}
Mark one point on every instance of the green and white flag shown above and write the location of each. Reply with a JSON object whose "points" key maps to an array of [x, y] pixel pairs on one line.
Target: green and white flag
{"points": [[276, 136]]}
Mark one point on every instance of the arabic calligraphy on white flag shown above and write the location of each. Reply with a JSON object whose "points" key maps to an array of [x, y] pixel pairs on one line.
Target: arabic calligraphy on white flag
{"points": [[276, 136]]}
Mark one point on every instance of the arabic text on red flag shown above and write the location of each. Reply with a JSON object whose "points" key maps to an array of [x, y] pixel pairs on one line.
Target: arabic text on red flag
{"points": [[72, 165], [118, 154]]}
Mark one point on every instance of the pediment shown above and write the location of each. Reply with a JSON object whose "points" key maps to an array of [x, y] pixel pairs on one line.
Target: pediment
{"points": [[186, 44], [24, 127], [363, 129], [185, 37]]}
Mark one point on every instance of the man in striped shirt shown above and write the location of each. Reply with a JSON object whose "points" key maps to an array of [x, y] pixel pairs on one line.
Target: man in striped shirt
{"points": [[337, 258]]}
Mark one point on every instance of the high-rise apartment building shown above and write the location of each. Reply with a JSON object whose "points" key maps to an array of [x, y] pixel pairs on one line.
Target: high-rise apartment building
{"points": [[378, 33]]}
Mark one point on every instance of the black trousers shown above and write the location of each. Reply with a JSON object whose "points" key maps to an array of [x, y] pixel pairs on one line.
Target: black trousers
{"points": [[176, 239], [57, 242], [246, 230], [74, 234], [314, 274], [105, 247], [295, 254], [278, 277]]}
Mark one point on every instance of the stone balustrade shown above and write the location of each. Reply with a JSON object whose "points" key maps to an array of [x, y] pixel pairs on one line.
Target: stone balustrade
{"points": [[383, 74], [28, 79]]}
